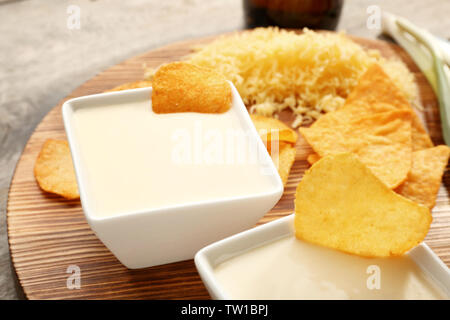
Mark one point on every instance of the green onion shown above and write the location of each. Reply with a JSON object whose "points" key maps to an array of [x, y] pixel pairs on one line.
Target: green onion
{"points": [[424, 50]]}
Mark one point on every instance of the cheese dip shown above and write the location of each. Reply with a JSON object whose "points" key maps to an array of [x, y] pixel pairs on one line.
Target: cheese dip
{"points": [[293, 269], [135, 159]]}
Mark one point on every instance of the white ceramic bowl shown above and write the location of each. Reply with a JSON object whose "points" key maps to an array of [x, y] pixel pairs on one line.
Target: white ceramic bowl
{"points": [[159, 236], [213, 255]]}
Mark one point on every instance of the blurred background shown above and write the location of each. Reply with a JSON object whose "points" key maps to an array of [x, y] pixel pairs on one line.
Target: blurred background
{"points": [[45, 53]]}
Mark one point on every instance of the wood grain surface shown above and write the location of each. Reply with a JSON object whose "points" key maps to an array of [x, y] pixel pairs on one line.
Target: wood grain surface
{"points": [[47, 234]]}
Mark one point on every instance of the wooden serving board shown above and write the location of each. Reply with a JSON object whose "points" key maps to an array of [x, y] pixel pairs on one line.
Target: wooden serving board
{"points": [[47, 234]]}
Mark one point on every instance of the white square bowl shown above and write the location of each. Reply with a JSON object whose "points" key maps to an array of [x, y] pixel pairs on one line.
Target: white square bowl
{"points": [[208, 258], [164, 235]]}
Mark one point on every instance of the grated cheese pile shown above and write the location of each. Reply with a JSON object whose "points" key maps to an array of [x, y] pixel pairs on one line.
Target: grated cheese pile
{"points": [[310, 73]]}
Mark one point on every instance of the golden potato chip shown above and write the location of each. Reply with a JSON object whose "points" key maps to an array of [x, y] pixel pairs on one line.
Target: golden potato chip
{"points": [[424, 179], [376, 88], [341, 204], [376, 92], [284, 159], [274, 132], [372, 124], [381, 141], [267, 126], [313, 158], [420, 138], [132, 85], [54, 170], [184, 87]]}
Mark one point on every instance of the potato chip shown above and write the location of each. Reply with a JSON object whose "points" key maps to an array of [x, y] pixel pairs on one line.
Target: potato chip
{"points": [[372, 124], [420, 138], [313, 158], [424, 179], [132, 85], [375, 87], [54, 170], [273, 132], [284, 159], [376, 92], [266, 127], [419, 145], [381, 141], [184, 87], [341, 204]]}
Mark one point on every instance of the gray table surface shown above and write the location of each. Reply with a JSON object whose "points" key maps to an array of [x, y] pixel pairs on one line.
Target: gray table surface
{"points": [[42, 61]]}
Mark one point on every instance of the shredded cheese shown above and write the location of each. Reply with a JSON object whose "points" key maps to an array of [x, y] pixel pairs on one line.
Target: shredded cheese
{"points": [[310, 73]]}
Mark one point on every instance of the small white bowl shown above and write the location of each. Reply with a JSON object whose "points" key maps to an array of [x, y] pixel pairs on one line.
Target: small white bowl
{"points": [[208, 258], [159, 236]]}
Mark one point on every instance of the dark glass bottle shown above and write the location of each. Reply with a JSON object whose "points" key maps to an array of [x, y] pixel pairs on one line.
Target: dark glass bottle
{"points": [[314, 14]]}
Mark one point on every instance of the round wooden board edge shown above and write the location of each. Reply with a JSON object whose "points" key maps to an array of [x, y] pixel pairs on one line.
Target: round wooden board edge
{"points": [[191, 43]]}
